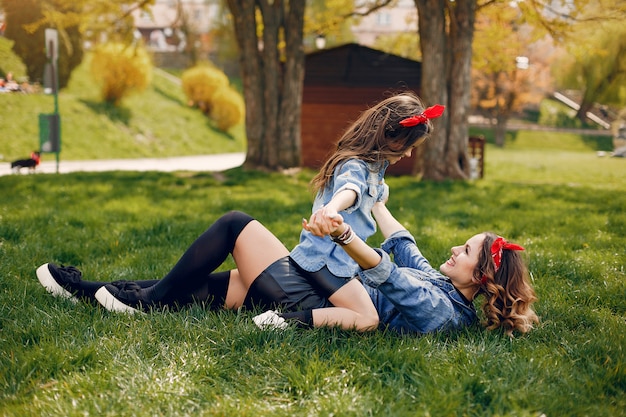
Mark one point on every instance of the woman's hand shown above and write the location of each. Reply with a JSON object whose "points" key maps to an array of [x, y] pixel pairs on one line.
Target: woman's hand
{"points": [[327, 218], [358, 250], [324, 222]]}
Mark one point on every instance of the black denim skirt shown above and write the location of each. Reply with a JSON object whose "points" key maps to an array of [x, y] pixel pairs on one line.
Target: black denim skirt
{"points": [[285, 286]]}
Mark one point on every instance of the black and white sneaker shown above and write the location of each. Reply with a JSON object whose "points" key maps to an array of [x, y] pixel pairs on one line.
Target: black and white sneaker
{"points": [[123, 297], [60, 281]]}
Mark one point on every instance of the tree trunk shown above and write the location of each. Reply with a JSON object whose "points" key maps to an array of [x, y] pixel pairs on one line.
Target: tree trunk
{"points": [[462, 17], [289, 146], [500, 128], [593, 91], [272, 89], [585, 106], [446, 62], [431, 21]]}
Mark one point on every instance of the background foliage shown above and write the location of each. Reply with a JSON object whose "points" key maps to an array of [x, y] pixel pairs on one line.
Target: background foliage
{"points": [[25, 26], [9, 62], [209, 89], [120, 70]]}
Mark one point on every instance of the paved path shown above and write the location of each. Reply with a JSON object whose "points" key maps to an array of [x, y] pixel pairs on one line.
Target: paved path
{"points": [[220, 162]]}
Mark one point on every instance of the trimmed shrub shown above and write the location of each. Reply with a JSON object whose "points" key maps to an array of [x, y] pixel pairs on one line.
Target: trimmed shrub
{"points": [[9, 61], [200, 84], [208, 88], [227, 108], [121, 70]]}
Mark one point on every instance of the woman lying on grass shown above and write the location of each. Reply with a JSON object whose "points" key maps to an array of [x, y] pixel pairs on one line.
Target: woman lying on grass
{"points": [[406, 295]]}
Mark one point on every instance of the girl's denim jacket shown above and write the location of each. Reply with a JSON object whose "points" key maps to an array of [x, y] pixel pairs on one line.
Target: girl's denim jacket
{"points": [[367, 181], [410, 295]]}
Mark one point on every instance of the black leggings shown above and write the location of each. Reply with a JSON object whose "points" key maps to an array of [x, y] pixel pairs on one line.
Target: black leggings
{"points": [[192, 278]]}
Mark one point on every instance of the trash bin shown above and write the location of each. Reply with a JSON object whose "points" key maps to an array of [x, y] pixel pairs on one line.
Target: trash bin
{"points": [[477, 156], [50, 133]]}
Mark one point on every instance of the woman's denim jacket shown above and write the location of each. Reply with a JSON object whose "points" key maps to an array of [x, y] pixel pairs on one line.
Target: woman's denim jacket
{"points": [[410, 295], [367, 181]]}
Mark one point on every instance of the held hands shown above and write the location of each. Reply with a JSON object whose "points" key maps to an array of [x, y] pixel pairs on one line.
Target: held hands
{"points": [[324, 222]]}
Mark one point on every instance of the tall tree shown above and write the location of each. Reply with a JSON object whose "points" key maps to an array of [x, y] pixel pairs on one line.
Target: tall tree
{"points": [[595, 64], [507, 73], [22, 17], [446, 30], [270, 38]]}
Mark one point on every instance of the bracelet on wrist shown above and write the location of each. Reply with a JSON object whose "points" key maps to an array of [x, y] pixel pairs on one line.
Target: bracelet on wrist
{"points": [[344, 238], [349, 239], [345, 233]]}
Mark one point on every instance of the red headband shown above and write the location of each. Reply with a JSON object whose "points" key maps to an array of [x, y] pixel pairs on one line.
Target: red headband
{"points": [[497, 247], [426, 115], [496, 250]]}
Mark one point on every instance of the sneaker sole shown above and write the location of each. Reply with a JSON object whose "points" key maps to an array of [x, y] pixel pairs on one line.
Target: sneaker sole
{"points": [[111, 303], [51, 285]]}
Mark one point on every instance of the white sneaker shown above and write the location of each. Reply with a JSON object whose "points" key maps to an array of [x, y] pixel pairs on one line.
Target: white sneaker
{"points": [[270, 320]]}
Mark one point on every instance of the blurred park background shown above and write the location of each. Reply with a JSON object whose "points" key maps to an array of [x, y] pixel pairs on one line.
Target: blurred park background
{"points": [[166, 77], [540, 84]]}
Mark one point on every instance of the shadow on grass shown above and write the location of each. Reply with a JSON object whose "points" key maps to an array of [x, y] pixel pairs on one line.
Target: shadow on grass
{"points": [[115, 114], [169, 96], [598, 143], [210, 124]]}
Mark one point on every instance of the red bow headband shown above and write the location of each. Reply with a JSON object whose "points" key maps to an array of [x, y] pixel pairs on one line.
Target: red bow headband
{"points": [[496, 250], [430, 113]]}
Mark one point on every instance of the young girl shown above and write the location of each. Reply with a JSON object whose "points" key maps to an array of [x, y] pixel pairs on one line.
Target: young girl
{"points": [[352, 181]]}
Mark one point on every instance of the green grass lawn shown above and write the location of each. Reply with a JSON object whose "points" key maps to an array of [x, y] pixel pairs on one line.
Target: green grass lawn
{"points": [[566, 206], [154, 123]]}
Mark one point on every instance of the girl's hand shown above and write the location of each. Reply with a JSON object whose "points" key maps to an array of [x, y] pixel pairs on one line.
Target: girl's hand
{"points": [[323, 222]]}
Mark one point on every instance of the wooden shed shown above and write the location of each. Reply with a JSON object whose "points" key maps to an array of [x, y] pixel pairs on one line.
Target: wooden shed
{"points": [[342, 82]]}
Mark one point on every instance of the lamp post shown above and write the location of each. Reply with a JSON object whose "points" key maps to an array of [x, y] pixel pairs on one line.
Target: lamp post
{"points": [[522, 62], [320, 41], [50, 124]]}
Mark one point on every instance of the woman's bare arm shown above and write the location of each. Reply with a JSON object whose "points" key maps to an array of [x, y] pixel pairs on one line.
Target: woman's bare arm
{"points": [[387, 223]]}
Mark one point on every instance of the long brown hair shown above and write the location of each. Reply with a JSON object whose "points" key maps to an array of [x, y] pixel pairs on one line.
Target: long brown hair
{"points": [[508, 293], [377, 135]]}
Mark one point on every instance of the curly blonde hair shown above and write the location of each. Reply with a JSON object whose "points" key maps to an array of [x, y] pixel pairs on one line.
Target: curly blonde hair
{"points": [[377, 135], [508, 293]]}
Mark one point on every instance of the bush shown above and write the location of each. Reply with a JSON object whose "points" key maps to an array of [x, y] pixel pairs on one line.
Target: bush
{"points": [[121, 70], [208, 88], [200, 84], [9, 61], [227, 108], [555, 114]]}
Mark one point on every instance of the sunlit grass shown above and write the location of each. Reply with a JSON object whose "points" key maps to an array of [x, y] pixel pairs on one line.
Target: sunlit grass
{"points": [[567, 207]]}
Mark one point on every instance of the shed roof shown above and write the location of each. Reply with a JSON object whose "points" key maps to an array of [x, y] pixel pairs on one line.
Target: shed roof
{"points": [[357, 65]]}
